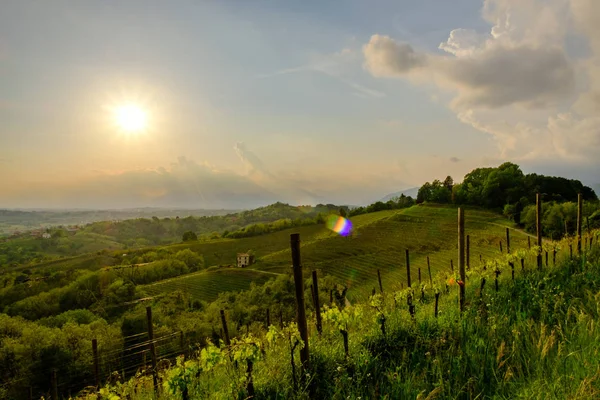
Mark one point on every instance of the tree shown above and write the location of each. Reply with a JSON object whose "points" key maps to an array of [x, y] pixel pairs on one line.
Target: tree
{"points": [[189, 236], [342, 212], [448, 182]]}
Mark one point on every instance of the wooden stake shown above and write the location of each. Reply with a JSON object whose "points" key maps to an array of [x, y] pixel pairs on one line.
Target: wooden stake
{"points": [[419, 276], [468, 260], [500, 243], [452, 265], [437, 300], [379, 279], [268, 317], [407, 268], [579, 221], [317, 305], [429, 270], [546, 258], [507, 240], [300, 310], [571, 250], [529, 242], [96, 366], [225, 330], [538, 223], [411, 307], [152, 347], [54, 385], [461, 257]]}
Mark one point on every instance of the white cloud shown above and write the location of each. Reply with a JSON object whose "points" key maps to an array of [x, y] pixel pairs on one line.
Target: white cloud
{"points": [[515, 82]]}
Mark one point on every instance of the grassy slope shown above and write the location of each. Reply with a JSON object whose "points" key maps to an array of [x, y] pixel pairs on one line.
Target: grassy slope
{"points": [[379, 242], [206, 285], [534, 338]]}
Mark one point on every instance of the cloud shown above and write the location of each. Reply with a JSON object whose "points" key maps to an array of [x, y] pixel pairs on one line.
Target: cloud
{"points": [[252, 162], [337, 66], [184, 183], [386, 57], [516, 82], [495, 76]]}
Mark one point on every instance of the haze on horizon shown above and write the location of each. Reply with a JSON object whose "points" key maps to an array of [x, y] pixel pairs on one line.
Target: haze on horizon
{"points": [[238, 104]]}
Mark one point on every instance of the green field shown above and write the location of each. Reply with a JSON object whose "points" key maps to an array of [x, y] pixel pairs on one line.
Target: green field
{"points": [[379, 241], [206, 285]]}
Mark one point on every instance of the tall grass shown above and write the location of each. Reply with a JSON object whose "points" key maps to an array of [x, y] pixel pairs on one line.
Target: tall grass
{"points": [[537, 337]]}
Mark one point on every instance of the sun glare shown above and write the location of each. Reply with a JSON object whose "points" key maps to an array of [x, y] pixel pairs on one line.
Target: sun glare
{"points": [[131, 118]]}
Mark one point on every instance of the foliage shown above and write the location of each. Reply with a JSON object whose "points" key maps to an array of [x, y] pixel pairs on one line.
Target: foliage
{"points": [[189, 236], [504, 185]]}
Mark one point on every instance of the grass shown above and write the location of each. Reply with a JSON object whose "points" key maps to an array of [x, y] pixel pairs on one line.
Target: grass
{"points": [[380, 239], [536, 337], [206, 285], [378, 242]]}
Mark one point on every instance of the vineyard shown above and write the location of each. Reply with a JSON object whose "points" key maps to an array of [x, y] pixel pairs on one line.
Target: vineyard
{"points": [[526, 330], [382, 318], [527, 333], [207, 285]]}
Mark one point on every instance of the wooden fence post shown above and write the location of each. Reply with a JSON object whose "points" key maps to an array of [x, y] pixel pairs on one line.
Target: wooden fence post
{"points": [[411, 307], [96, 367], [419, 276], [461, 257], [225, 330], [571, 250], [429, 270], [468, 260], [300, 310], [500, 243], [317, 305], [554, 257], [452, 265], [579, 221], [507, 240], [152, 347], [546, 258], [379, 279], [54, 385], [538, 223], [268, 317], [407, 268], [280, 317]]}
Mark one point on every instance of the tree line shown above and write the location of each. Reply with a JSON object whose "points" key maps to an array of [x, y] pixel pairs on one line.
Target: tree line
{"points": [[508, 190]]}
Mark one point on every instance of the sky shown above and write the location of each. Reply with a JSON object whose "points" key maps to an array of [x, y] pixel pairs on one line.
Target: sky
{"points": [[250, 102]]}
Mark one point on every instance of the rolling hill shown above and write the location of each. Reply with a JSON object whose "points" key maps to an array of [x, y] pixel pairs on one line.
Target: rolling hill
{"points": [[379, 241]]}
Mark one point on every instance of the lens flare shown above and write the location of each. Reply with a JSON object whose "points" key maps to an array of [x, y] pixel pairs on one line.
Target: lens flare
{"points": [[339, 225]]}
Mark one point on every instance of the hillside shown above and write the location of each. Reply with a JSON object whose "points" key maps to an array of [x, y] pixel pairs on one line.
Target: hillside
{"points": [[529, 336], [105, 294], [378, 242]]}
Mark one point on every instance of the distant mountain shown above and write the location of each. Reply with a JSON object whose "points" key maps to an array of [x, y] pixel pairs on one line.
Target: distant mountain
{"points": [[412, 192]]}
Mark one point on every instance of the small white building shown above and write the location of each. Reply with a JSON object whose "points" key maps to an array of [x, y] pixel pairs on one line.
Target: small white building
{"points": [[244, 260], [46, 235]]}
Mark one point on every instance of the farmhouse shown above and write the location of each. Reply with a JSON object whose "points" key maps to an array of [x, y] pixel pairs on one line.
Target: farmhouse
{"points": [[244, 260]]}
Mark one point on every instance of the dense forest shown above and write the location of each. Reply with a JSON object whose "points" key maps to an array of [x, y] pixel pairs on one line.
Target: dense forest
{"points": [[508, 190]]}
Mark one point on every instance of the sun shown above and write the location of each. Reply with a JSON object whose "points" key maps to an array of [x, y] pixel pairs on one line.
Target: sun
{"points": [[131, 118]]}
